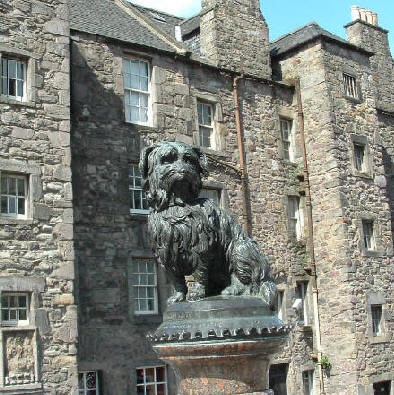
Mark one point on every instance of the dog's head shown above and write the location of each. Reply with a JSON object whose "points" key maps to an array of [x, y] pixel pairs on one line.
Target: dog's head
{"points": [[171, 173]]}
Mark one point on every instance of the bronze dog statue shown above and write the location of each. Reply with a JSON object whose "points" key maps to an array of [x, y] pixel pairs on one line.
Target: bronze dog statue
{"points": [[192, 236]]}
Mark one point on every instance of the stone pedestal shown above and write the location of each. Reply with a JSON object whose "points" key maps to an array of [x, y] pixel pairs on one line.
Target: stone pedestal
{"points": [[219, 345]]}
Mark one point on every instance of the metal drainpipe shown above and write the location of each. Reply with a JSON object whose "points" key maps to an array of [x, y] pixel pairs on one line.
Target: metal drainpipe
{"points": [[242, 161], [310, 246]]}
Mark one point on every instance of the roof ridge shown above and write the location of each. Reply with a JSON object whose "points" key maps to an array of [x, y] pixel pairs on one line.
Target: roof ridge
{"points": [[132, 10], [189, 19], [313, 23], [155, 10]]}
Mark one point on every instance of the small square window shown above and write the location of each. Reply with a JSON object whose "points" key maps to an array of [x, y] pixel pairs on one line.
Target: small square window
{"points": [[350, 86], [88, 383], [151, 380], [206, 127], [382, 388], [359, 157], [369, 238], [296, 217], [139, 204], [136, 80], [302, 297], [13, 78], [14, 309], [279, 302], [144, 286], [307, 378], [212, 194], [286, 127], [377, 314], [13, 190]]}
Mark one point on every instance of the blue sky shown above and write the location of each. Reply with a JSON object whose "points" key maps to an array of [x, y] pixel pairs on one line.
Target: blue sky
{"points": [[284, 16]]}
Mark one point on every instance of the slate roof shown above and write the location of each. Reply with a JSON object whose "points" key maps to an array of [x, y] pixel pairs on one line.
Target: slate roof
{"points": [[164, 21], [190, 25], [302, 36], [105, 18]]}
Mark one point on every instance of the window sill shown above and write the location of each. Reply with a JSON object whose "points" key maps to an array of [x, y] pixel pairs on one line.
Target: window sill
{"points": [[367, 176], [6, 100], [141, 127], [304, 328], [17, 328], [23, 389], [143, 319], [212, 152], [15, 221], [370, 253], [352, 99], [379, 339]]}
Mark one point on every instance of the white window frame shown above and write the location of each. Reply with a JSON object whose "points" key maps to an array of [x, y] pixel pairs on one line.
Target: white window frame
{"points": [[368, 235], [286, 131], [16, 197], [206, 126], [138, 91], [154, 382], [377, 319], [85, 390], [15, 322], [141, 285], [302, 293], [4, 78], [307, 381], [350, 86], [295, 217], [135, 188]]}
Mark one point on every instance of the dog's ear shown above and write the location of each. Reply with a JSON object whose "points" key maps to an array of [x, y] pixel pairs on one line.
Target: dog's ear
{"points": [[203, 160], [144, 164]]}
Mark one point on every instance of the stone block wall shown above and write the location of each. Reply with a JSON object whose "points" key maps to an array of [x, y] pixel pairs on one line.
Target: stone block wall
{"points": [[235, 37], [37, 255]]}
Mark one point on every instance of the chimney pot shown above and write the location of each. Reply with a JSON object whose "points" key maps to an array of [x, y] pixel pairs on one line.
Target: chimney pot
{"points": [[355, 13]]}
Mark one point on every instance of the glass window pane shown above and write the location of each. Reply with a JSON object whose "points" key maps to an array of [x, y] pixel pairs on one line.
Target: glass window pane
{"points": [[21, 187], [21, 206], [12, 185], [134, 99], [134, 82], [12, 87], [22, 314], [22, 301], [4, 204], [143, 100], [143, 305], [4, 68], [144, 115], [19, 91], [161, 389], [143, 69], [134, 67], [11, 68], [5, 315], [150, 375], [13, 301], [144, 84], [5, 302], [135, 114], [12, 205], [12, 315], [160, 373], [4, 86]]}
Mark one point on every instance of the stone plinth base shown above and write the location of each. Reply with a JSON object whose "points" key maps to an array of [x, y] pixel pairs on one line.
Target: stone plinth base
{"points": [[219, 345]]}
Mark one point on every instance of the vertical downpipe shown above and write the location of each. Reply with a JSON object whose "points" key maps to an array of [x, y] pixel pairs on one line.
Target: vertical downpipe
{"points": [[242, 161], [310, 245]]}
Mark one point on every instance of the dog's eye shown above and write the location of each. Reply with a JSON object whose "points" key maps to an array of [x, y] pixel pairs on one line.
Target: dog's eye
{"points": [[170, 158], [190, 159]]}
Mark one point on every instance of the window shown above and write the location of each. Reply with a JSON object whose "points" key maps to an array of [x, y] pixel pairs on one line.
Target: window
{"points": [[209, 193], [13, 79], [144, 286], [359, 157], [139, 203], [382, 388], [296, 217], [88, 383], [350, 86], [13, 195], [152, 380], [14, 309], [280, 297], [369, 239], [278, 378], [376, 312], [301, 302], [307, 379], [286, 126], [206, 125], [136, 91]]}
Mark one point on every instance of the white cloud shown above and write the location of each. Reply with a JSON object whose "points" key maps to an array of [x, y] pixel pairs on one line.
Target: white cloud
{"points": [[183, 8]]}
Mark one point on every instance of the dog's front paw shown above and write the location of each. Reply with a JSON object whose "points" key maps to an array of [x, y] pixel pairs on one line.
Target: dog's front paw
{"points": [[196, 292], [177, 297]]}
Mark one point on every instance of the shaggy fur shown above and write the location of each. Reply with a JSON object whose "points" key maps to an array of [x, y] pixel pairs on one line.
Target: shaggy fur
{"points": [[192, 236]]}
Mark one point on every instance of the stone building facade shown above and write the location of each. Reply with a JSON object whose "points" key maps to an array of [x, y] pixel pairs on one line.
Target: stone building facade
{"points": [[299, 136]]}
